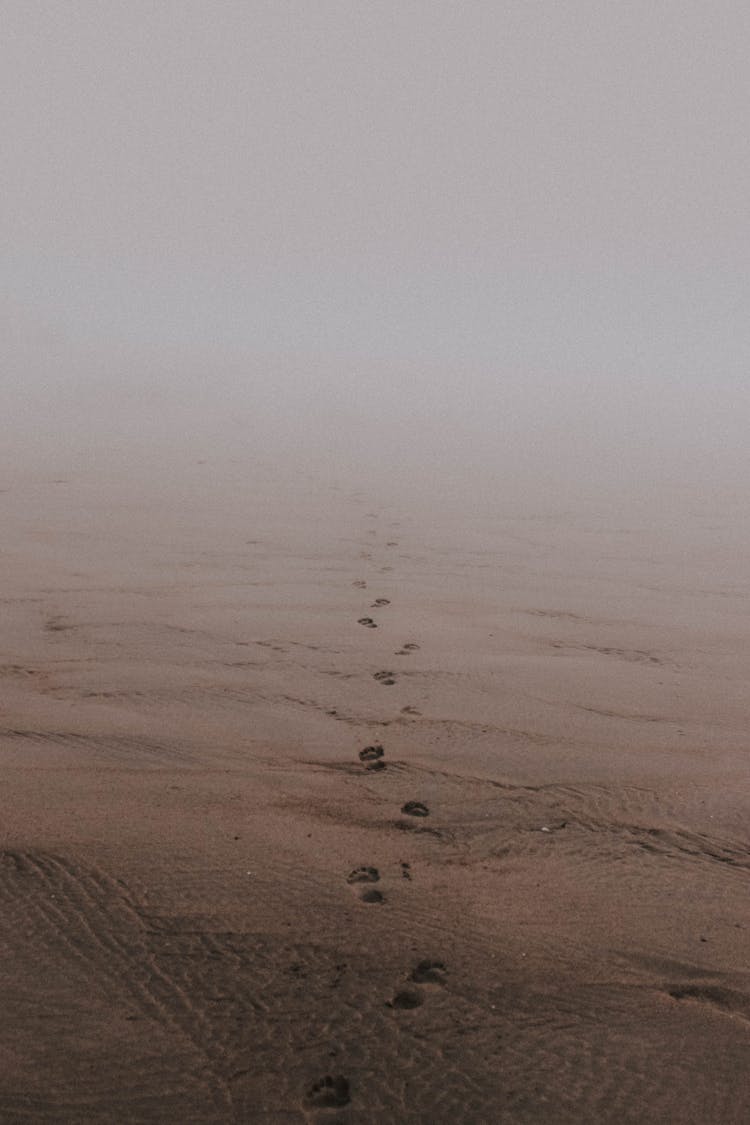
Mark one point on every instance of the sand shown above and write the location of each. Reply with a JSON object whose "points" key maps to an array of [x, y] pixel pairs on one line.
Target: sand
{"points": [[220, 902]]}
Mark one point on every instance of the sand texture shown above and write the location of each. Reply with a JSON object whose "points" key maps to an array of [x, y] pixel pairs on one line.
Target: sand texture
{"points": [[320, 806]]}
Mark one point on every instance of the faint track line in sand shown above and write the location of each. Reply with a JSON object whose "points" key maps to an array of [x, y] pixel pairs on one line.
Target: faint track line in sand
{"points": [[490, 1047], [590, 822], [73, 909]]}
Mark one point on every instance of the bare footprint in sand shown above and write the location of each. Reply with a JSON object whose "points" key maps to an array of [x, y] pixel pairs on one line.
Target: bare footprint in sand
{"points": [[406, 999], [363, 875], [331, 1092], [360, 583], [367, 622], [429, 972], [415, 808], [380, 602], [387, 678], [406, 649], [371, 753], [371, 894]]}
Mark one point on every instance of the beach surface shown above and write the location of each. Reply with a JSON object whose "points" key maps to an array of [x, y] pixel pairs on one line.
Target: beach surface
{"points": [[323, 804]]}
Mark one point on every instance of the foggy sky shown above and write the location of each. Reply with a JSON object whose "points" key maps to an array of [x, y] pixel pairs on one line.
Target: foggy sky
{"points": [[479, 226]]}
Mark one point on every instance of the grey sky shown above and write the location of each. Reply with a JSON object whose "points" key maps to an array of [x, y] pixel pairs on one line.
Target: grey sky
{"points": [[537, 207]]}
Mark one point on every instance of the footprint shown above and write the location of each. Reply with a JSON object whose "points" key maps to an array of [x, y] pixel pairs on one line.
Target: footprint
{"points": [[429, 972], [330, 1092], [407, 648], [371, 895], [406, 998], [367, 876], [392, 543], [405, 869], [375, 767], [415, 808], [381, 601], [386, 678], [371, 753], [57, 624], [367, 622], [360, 584], [363, 875], [410, 711]]}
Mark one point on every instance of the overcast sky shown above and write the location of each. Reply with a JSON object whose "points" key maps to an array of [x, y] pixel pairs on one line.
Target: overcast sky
{"points": [[489, 214]]}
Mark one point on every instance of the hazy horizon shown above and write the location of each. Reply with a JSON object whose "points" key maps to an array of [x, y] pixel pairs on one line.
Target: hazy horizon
{"points": [[501, 241]]}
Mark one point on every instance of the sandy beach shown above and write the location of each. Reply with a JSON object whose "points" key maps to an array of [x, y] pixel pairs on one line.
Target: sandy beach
{"points": [[318, 806], [374, 543]]}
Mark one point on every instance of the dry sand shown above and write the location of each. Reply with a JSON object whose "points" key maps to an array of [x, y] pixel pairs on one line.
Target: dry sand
{"points": [[186, 693]]}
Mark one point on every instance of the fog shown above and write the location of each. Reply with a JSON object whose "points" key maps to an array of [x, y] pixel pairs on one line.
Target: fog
{"points": [[457, 249]]}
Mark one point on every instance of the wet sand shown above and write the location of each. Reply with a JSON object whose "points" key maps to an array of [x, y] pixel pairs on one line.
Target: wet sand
{"points": [[221, 902]]}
